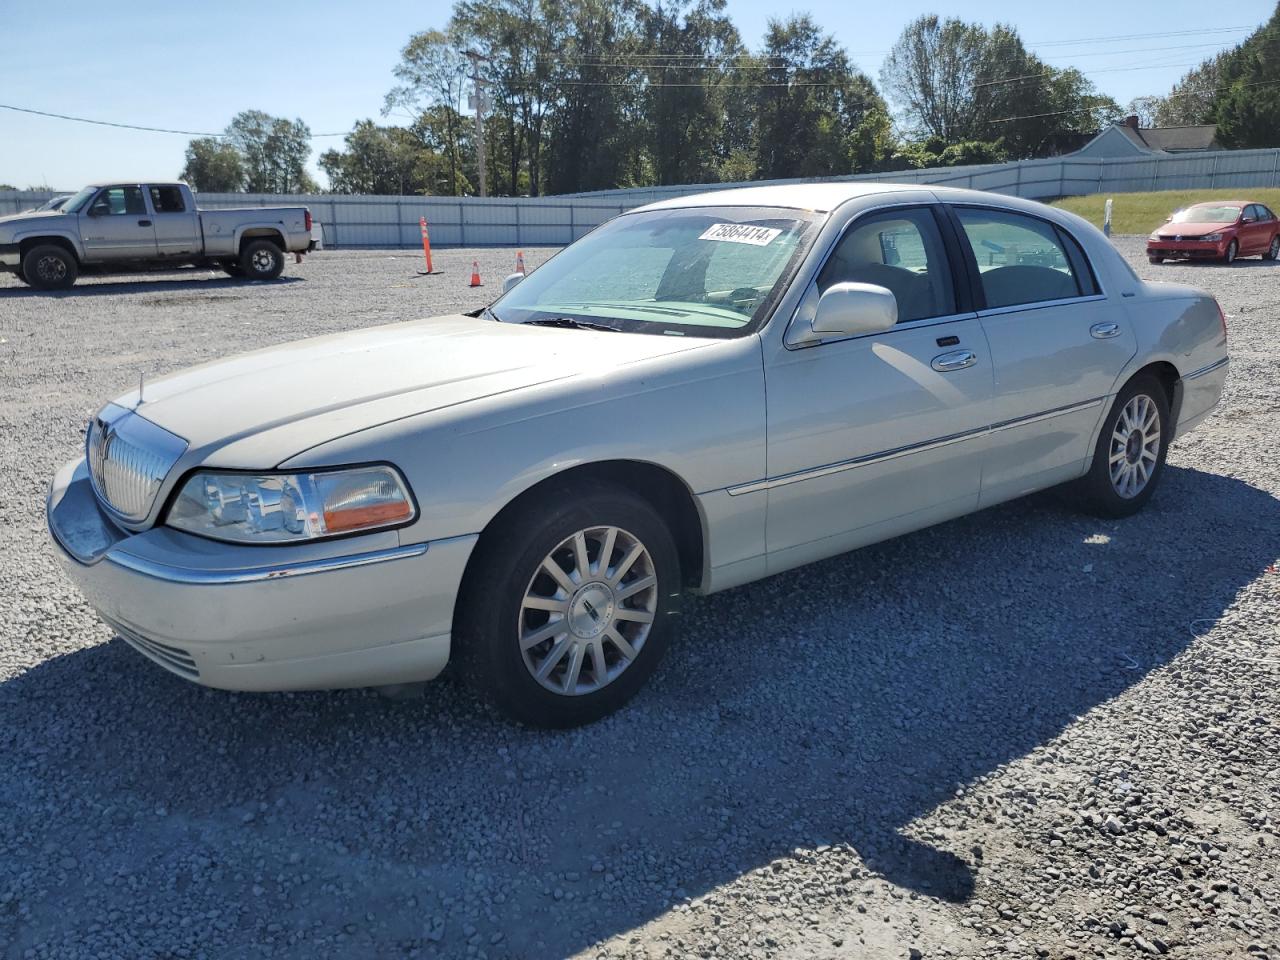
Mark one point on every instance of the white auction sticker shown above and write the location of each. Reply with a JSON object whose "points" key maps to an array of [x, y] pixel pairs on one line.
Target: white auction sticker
{"points": [[740, 233]]}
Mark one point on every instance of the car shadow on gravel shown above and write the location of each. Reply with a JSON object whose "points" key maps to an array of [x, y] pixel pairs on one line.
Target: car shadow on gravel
{"points": [[824, 712], [197, 281]]}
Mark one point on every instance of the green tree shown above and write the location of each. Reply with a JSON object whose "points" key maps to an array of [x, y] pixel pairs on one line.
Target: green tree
{"points": [[521, 41], [687, 52], [958, 82], [274, 152], [377, 160], [1247, 105], [213, 166], [432, 75], [815, 112], [1192, 99]]}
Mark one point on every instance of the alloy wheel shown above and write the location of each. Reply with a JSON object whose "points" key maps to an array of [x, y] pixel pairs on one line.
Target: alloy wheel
{"points": [[51, 269], [1135, 446], [263, 261], [588, 610]]}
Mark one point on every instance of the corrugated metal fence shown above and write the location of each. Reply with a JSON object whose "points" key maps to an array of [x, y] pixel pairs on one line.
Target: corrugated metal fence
{"points": [[365, 221]]}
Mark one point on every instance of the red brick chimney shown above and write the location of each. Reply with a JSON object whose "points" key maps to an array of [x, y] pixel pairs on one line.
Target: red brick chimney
{"points": [[1131, 121]]}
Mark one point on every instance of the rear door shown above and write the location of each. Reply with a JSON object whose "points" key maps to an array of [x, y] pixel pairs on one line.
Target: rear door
{"points": [[872, 435], [177, 232], [1057, 342], [117, 225]]}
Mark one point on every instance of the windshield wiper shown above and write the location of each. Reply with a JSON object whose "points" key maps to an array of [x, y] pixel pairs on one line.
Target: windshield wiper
{"points": [[571, 323]]}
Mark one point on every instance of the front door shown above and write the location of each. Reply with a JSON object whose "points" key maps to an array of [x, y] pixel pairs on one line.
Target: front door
{"points": [[117, 225], [1057, 346], [874, 435]]}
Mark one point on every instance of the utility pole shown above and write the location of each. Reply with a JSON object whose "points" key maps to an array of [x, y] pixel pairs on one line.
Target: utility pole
{"points": [[478, 100]]}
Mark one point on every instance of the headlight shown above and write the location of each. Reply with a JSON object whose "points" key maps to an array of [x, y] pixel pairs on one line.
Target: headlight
{"points": [[289, 507], [1154, 236], [1211, 237]]}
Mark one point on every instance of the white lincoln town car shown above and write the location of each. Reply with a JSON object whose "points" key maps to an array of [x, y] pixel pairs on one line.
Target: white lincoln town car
{"points": [[700, 393]]}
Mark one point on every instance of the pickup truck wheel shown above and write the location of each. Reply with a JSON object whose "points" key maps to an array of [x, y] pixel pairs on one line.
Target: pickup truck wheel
{"points": [[261, 260], [50, 267], [569, 606], [1129, 458]]}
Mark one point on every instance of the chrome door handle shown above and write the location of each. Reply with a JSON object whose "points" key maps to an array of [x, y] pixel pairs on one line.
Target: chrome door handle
{"points": [[955, 360], [1104, 331]]}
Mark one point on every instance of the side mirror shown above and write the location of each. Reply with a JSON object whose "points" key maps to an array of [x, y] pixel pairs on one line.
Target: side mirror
{"points": [[855, 309], [1248, 219], [511, 280]]}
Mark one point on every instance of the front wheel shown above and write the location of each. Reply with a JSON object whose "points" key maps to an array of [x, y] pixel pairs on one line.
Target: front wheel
{"points": [[261, 260], [1233, 248], [1273, 251], [569, 606], [50, 267], [1129, 457]]}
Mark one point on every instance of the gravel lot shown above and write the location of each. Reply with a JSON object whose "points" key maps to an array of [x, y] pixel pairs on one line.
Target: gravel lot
{"points": [[1024, 733]]}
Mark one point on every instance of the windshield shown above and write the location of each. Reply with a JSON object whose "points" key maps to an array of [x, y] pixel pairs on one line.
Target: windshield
{"points": [[79, 200], [1208, 213], [696, 271]]}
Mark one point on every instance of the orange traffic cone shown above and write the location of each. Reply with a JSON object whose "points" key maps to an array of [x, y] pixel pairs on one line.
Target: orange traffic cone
{"points": [[475, 274], [520, 263]]}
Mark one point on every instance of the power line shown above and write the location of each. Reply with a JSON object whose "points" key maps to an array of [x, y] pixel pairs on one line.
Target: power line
{"points": [[134, 126], [1172, 96]]}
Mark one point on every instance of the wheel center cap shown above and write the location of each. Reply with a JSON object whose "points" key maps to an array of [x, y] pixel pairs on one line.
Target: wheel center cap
{"points": [[591, 609], [1133, 447]]}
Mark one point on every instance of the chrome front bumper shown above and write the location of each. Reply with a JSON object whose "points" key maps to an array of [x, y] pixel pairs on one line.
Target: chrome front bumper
{"points": [[10, 257], [365, 611]]}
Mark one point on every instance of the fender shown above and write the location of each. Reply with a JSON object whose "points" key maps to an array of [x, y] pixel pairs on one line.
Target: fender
{"points": [[72, 237]]}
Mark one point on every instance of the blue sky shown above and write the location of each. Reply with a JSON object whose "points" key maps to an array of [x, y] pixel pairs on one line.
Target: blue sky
{"points": [[193, 66]]}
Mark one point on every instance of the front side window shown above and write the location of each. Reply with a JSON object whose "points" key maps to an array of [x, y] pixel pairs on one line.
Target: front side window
{"points": [[119, 202], [902, 251], [167, 200], [1022, 259], [695, 271]]}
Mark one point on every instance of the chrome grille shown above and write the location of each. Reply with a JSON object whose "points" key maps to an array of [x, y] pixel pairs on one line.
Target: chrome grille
{"points": [[129, 457]]}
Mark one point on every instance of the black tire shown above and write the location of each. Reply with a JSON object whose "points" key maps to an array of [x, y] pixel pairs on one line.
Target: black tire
{"points": [[261, 260], [1151, 259], [1098, 491], [1273, 252], [1233, 248], [50, 267], [491, 613], [231, 268]]}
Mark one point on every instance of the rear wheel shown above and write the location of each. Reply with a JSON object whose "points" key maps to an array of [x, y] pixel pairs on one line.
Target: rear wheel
{"points": [[50, 267], [569, 606], [1129, 457], [1273, 251], [1233, 248], [261, 260]]}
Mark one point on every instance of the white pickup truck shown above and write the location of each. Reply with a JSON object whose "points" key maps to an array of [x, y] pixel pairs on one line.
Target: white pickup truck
{"points": [[120, 227]]}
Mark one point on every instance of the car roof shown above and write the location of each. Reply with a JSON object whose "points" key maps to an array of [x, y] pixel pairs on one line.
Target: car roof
{"points": [[826, 196], [127, 181]]}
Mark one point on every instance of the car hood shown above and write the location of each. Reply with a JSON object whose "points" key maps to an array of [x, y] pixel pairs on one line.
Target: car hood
{"points": [[262, 408], [20, 222], [1192, 228]]}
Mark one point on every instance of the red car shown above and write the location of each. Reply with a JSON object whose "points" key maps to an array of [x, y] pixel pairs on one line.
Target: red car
{"points": [[1217, 230]]}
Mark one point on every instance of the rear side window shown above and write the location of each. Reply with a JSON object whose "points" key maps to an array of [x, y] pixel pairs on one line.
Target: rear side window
{"points": [[901, 250], [1023, 259], [167, 200]]}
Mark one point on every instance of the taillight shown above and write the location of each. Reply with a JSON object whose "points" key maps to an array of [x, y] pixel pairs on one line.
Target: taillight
{"points": [[307, 213], [1221, 317]]}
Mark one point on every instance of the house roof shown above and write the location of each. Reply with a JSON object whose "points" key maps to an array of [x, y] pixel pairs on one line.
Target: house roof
{"points": [[1172, 139]]}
